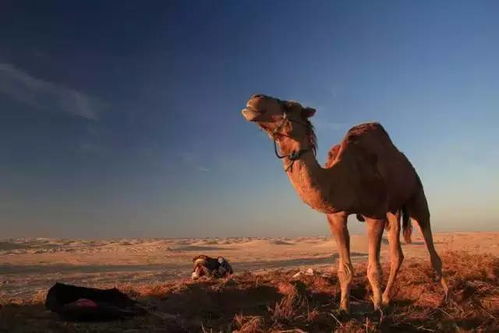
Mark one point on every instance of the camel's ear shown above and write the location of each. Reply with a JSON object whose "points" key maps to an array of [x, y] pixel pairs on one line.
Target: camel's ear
{"points": [[290, 106], [308, 112]]}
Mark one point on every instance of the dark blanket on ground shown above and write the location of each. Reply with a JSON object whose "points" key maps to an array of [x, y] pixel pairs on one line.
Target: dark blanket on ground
{"points": [[74, 303]]}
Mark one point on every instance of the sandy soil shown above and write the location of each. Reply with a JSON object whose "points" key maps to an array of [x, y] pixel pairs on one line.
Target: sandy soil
{"points": [[28, 267]]}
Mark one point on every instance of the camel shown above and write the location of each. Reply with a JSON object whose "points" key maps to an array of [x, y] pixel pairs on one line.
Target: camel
{"points": [[365, 175]]}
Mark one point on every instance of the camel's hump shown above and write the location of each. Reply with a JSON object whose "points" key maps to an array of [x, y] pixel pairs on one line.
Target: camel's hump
{"points": [[367, 130], [366, 127]]}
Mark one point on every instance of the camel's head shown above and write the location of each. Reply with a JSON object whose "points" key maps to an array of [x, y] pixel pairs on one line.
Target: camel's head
{"points": [[278, 117]]}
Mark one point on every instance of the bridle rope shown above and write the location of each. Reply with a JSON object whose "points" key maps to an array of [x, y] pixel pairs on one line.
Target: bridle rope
{"points": [[295, 154]]}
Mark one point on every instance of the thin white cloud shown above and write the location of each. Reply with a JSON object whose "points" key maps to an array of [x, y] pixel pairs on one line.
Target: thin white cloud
{"points": [[192, 160], [203, 169], [46, 95]]}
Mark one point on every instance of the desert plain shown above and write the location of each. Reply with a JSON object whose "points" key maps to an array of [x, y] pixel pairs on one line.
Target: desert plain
{"points": [[28, 267], [31, 266]]}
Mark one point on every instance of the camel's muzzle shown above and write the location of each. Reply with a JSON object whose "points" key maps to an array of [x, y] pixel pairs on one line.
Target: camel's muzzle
{"points": [[250, 114]]}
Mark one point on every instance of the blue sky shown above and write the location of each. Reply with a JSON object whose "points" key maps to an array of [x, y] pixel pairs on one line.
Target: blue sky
{"points": [[122, 118]]}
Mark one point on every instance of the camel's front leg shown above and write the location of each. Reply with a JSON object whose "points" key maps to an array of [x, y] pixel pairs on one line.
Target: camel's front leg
{"points": [[396, 255], [338, 225], [374, 272]]}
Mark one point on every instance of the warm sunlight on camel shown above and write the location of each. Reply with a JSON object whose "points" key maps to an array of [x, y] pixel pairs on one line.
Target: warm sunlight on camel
{"points": [[365, 175]]}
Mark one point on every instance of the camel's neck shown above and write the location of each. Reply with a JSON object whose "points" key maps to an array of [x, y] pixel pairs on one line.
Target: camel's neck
{"points": [[316, 186]]}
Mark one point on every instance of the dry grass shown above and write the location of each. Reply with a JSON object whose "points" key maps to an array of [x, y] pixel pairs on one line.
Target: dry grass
{"points": [[275, 302]]}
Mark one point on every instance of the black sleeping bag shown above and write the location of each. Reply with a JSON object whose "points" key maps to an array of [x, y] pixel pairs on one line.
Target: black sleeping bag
{"points": [[74, 303]]}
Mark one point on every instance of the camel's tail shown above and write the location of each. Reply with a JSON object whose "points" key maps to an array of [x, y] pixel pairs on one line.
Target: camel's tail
{"points": [[406, 225]]}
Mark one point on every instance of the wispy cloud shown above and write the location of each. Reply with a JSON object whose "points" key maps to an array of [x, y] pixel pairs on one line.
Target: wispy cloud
{"points": [[46, 95], [203, 169], [193, 161]]}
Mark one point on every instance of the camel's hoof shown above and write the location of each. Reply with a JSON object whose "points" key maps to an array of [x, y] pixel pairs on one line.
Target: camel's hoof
{"points": [[377, 303], [344, 310], [378, 309], [344, 307], [377, 314], [341, 314], [446, 299], [386, 301], [445, 287]]}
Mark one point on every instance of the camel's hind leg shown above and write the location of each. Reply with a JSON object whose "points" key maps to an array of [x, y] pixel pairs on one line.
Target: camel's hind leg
{"points": [[338, 225], [418, 210], [374, 272], [396, 255]]}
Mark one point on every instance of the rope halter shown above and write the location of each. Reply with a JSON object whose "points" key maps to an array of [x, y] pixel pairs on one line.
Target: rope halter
{"points": [[295, 154]]}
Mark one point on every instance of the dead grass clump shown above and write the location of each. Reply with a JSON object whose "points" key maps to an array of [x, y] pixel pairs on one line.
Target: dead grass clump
{"points": [[463, 265], [153, 290], [290, 305], [248, 324]]}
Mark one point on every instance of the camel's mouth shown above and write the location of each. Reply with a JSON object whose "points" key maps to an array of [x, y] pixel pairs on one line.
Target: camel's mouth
{"points": [[250, 113]]}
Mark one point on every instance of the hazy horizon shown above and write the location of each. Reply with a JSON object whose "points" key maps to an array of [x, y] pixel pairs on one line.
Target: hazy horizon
{"points": [[123, 119]]}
